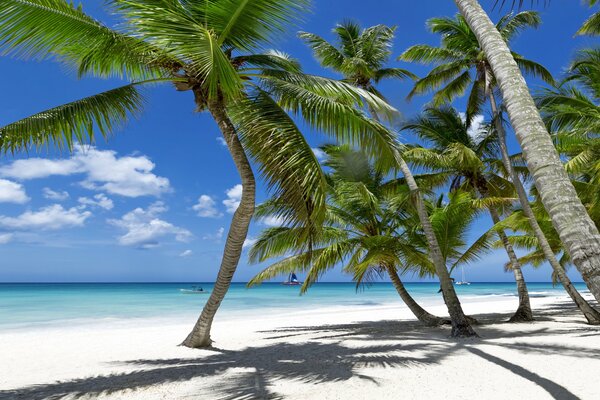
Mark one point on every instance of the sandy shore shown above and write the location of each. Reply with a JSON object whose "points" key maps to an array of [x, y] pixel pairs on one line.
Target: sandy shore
{"points": [[379, 353]]}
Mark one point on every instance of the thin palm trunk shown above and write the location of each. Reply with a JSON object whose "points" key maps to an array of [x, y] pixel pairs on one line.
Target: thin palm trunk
{"points": [[591, 314], [577, 231], [460, 323], [238, 230], [523, 313], [419, 312]]}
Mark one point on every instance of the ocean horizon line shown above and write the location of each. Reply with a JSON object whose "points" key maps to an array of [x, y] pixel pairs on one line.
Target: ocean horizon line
{"points": [[246, 282]]}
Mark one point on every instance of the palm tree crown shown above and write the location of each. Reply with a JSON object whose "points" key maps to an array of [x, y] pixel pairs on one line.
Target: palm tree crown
{"points": [[461, 64]]}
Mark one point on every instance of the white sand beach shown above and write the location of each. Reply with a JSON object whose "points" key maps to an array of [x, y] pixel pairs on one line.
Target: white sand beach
{"points": [[378, 353]]}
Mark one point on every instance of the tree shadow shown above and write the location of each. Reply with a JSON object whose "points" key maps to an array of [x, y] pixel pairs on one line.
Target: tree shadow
{"points": [[555, 390], [329, 353], [310, 362]]}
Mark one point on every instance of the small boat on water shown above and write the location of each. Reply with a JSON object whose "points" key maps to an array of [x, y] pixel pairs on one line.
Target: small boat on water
{"points": [[463, 281], [292, 280], [194, 290]]}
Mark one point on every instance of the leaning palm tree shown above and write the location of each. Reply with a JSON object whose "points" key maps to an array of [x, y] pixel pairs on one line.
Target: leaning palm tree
{"points": [[569, 217], [366, 230], [471, 68], [216, 51], [361, 58], [470, 163]]}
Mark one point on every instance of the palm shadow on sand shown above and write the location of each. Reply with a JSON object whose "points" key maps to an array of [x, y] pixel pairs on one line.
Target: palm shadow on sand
{"points": [[321, 355]]}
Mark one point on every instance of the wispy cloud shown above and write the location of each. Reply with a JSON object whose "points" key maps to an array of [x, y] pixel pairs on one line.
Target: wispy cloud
{"points": [[54, 195], [53, 217], [186, 253], [217, 236], [100, 200]]}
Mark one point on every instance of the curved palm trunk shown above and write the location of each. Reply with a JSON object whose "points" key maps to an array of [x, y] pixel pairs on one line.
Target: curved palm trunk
{"points": [[238, 230], [419, 312], [592, 316], [460, 323], [570, 219]]}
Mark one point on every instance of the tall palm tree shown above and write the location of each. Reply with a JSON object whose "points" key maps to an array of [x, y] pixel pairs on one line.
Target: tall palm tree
{"points": [[366, 76], [569, 217], [470, 163], [472, 67], [367, 230], [215, 50]]}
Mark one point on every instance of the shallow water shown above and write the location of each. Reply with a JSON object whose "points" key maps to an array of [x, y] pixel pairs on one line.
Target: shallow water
{"points": [[27, 305]]}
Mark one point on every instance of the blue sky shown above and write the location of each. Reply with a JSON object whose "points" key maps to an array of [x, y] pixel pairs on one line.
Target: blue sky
{"points": [[154, 202]]}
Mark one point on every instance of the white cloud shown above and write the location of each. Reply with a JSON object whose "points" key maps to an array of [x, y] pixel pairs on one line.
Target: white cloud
{"points": [[129, 176], [320, 154], [5, 238], [272, 220], [56, 196], [47, 218], [99, 200], [33, 168], [221, 141], [477, 125], [206, 207], [215, 236], [12, 192], [186, 253], [234, 196], [249, 242], [144, 228]]}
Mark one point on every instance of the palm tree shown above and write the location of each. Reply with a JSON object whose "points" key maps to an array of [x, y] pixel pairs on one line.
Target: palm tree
{"points": [[368, 71], [366, 230], [452, 221], [469, 162], [518, 221], [569, 217], [471, 68], [216, 52], [359, 54]]}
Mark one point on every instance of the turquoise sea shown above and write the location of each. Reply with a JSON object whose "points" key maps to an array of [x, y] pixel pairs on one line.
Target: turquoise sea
{"points": [[30, 305]]}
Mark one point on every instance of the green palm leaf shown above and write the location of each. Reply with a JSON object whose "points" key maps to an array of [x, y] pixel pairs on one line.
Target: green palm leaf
{"points": [[73, 122]]}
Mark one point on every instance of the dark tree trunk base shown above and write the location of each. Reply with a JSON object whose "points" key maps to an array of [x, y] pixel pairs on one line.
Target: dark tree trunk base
{"points": [[463, 331], [201, 344], [523, 314]]}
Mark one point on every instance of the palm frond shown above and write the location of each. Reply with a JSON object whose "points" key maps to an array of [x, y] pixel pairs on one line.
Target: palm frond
{"points": [[73, 122]]}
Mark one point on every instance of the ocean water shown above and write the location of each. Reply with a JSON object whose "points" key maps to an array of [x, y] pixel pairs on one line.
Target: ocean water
{"points": [[30, 305]]}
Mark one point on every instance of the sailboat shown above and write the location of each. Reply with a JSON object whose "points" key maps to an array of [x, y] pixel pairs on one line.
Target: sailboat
{"points": [[292, 280], [463, 281]]}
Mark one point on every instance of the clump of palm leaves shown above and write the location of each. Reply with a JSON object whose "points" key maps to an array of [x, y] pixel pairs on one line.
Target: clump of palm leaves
{"points": [[372, 229]]}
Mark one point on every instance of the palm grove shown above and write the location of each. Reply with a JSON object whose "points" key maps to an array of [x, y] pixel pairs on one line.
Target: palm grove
{"points": [[363, 209]]}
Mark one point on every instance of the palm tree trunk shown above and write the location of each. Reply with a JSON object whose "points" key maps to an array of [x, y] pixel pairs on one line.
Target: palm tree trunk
{"points": [[460, 323], [570, 219], [523, 313], [592, 316], [419, 312], [238, 230]]}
